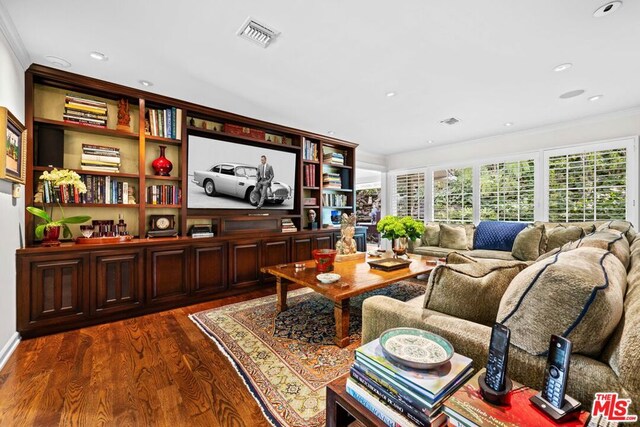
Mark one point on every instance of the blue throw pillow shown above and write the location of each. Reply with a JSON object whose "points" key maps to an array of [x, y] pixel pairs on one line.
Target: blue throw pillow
{"points": [[497, 235]]}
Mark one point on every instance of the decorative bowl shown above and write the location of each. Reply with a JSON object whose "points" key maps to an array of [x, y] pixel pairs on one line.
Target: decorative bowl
{"points": [[415, 348], [327, 278], [324, 259]]}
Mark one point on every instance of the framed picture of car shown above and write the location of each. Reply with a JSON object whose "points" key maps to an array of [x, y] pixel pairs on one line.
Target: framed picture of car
{"points": [[232, 175], [13, 165]]}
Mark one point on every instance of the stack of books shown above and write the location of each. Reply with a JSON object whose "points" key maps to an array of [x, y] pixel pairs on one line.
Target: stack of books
{"points": [[404, 396], [99, 158], [310, 150], [164, 195], [331, 180], [466, 408], [164, 123], [288, 226], [310, 175], [333, 158], [83, 111]]}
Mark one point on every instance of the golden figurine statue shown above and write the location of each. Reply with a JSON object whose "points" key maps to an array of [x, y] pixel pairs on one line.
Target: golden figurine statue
{"points": [[347, 245]]}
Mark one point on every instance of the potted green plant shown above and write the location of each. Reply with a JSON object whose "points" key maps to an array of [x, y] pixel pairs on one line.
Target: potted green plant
{"points": [[399, 230], [49, 230]]}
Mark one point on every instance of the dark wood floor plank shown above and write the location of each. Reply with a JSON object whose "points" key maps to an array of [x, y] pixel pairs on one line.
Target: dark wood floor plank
{"points": [[159, 369]]}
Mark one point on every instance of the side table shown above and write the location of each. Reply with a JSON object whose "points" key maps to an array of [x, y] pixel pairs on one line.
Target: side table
{"points": [[343, 410]]}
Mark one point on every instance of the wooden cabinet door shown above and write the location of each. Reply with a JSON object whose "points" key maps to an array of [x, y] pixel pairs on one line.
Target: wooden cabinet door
{"points": [[323, 242], [55, 291], [301, 248], [244, 263], [117, 278], [209, 269], [275, 251], [361, 241], [167, 274]]}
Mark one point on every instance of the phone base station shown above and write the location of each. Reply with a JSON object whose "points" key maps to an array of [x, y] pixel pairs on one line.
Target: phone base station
{"points": [[570, 408], [492, 396]]}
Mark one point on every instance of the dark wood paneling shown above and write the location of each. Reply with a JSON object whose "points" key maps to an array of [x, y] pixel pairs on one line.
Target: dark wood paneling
{"points": [[274, 252], [209, 268], [118, 277], [301, 247], [244, 263], [361, 241], [167, 274], [323, 242]]}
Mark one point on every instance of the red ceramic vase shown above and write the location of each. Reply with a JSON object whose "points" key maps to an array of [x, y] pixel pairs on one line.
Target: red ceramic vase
{"points": [[324, 259], [162, 166], [51, 236]]}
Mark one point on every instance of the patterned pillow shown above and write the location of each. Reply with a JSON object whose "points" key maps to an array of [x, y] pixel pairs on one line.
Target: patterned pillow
{"points": [[497, 235], [577, 294]]}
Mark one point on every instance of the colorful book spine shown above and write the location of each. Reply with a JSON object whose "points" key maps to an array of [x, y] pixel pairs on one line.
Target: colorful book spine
{"points": [[384, 413]]}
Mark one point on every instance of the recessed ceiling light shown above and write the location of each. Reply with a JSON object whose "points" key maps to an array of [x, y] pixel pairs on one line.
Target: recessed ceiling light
{"points": [[572, 93], [508, 124], [430, 141], [99, 56], [390, 94], [58, 62], [146, 83], [607, 9], [331, 132], [563, 67], [595, 97]]}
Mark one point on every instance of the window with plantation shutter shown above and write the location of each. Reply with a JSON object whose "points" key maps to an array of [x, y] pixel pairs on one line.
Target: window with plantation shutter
{"points": [[588, 186], [507, 191], [453, 195], [408, 195]]}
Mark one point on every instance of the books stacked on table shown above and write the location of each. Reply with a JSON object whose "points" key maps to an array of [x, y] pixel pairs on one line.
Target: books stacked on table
{"points": [[331, 180], [333, 158], [466, 408], [402, 396], [288, 226], [83, 111], [99, 158]]}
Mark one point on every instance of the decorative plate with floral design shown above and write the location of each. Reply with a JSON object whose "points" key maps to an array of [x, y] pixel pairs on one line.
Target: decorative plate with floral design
{"points": [[415, 348]]}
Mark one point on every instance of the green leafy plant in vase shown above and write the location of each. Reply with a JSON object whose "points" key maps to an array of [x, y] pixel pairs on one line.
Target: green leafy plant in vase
{"points": [[49, 230], [399, 230]]}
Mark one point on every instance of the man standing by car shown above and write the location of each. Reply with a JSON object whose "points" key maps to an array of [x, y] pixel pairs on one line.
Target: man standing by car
{"points": [[265, 176]]}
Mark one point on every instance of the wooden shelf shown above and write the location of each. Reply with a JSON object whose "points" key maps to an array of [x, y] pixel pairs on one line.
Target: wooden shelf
{"points": [[163, 206], [162, 140], [310, 188], [86, 129], [95, 205], [333, 165], [342, 190], [243, 138], [163, 178], [81, 172], [314, 162], [338, 207], [311, 207]]}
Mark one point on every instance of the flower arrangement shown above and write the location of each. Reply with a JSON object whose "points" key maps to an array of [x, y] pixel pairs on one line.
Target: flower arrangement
{"points": [[57, 178], [392, 227]]}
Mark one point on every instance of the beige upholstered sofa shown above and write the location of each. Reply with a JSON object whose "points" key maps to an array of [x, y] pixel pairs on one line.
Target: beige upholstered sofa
{"points": [[616, 366]]}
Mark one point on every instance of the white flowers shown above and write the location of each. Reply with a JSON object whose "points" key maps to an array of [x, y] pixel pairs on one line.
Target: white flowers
{"points": [[64, 177]]}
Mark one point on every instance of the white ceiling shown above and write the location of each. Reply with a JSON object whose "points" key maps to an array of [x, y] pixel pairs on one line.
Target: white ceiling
{"points": [[485, 62]]}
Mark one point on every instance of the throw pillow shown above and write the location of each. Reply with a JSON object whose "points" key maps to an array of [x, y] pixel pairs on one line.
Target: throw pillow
{"points": [[470, 229], [497, 235], [624, 226], [576, 294], [610, 240], [453, 237], [431, 235], [560, 235], [470, 290], [529, 243]]}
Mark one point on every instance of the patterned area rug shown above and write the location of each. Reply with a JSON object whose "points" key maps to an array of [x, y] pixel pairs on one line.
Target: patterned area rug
{"points": [[286, 360]]}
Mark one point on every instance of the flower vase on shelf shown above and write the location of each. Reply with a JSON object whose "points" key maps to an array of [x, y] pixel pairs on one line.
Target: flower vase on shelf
{"points": [[162, 166], [51, 236]]}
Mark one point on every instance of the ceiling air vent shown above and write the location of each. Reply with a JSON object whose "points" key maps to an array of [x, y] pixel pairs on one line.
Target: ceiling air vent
{"points": [[450, 121], [257, 32]]}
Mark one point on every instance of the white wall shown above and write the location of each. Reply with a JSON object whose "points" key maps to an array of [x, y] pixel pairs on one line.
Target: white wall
{"points": [[610, 126], [11, 210]]}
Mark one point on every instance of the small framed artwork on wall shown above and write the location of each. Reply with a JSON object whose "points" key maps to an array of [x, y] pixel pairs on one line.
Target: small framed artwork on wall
{"points": [[13, 153]]}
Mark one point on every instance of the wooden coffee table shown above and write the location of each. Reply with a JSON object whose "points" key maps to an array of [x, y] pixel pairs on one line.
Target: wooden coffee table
{"points": [[356, 278]]}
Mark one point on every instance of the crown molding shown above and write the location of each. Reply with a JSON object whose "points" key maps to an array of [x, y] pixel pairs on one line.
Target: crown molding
{"points": [[10, 33]]}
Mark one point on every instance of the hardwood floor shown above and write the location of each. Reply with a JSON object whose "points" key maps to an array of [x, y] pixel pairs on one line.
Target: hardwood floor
{"points": [[158, 370]]}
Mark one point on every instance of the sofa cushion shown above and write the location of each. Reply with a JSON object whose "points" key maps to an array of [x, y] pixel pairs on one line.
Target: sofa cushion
{"points": [[610, 240], [497, 235], [433, 251], [529, 243], [431, 235], [587, 226], [560, 234], [491, 254], [470, 289], [453, 237], [576, 294], [624, 226]]}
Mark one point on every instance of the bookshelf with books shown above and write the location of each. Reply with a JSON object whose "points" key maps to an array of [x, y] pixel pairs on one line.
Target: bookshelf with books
{"points": [[338, 194]]}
